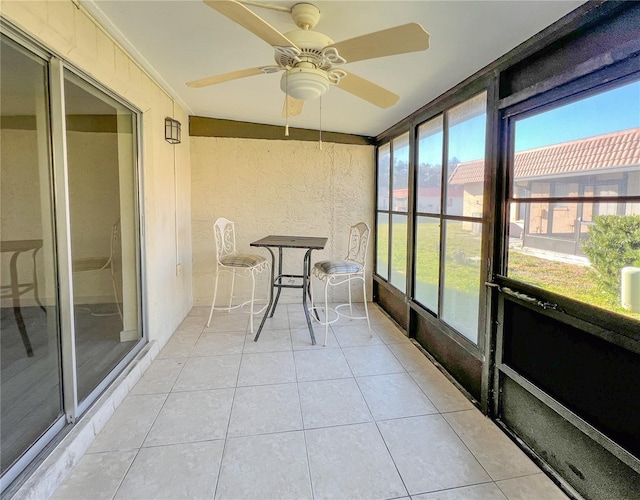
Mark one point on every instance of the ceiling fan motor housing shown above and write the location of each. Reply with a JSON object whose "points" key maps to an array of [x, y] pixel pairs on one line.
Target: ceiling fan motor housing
{"points": [[310, 44]]}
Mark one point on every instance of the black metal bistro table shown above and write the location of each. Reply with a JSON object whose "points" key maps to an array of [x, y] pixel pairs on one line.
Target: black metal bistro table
{"points": [[301, 242]]}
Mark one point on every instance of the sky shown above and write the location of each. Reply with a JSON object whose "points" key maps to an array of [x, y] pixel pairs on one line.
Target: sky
{"points": [[611, 111], [617, 109]]}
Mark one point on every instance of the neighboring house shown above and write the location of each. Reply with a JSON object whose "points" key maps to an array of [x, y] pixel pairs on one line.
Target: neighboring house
{"points": [[600, 166]]}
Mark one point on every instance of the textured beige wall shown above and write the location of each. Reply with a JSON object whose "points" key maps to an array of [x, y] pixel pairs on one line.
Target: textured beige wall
{"points": [[70, 32], [277, 187]]}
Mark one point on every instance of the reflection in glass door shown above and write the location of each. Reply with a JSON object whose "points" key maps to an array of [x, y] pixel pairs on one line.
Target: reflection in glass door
{"points": [[70, 264], [30, 372], [101, 160]]}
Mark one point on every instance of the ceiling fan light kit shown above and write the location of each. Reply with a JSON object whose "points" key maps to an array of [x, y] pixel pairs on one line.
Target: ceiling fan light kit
{"points": [[304, 83], [309, 58]]}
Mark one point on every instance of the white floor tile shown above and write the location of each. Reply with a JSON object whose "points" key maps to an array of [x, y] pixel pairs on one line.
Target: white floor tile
{"points": [[429, 455], [533, 487], [279, 321], [301, 339], [192, 416], [442, 393], [328, 403], [394, 396], [159, 377], [486, 491], [219, 343], [98, 473], [321, 364], [213, 372], [372, 360], [351, 462], [237, 408], [500, 457], [265, 409], [269, 341], [389, 333], [376, 315], [409, 356], [179, 346], [269, 466], [180, 471], [355, 335], [267, 368], [222, 321], [192, 324], [200, 311], [297, 319], [130, 423]]}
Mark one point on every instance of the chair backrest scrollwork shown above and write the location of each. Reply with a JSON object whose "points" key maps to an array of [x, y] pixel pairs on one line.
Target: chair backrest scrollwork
{"points": [[358, 243], [225, 236]]}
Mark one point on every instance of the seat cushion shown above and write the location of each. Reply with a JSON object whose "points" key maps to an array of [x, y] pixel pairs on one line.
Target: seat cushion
{"points": [[242, 260], [337, 267]]}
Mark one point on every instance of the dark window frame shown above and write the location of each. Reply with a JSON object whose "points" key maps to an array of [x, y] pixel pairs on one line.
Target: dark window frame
{"points": [[390, 212], [484, 83]]}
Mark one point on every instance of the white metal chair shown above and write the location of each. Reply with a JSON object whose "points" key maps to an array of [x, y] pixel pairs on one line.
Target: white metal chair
{"points": [[113, 263], [339, 271], [229, 260]]}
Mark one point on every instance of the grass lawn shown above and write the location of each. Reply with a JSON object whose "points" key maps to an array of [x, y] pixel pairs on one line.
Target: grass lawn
{"points": [[462, 267], [571, 280]]}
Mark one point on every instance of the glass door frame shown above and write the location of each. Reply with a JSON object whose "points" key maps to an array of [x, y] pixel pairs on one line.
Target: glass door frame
{"points": [[73, 409], [57, 425]]}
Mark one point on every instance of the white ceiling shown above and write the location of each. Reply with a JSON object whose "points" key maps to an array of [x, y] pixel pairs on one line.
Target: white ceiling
{"points": [[182, 40]]}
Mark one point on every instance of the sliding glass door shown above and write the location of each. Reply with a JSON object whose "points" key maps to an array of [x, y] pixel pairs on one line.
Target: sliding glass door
{"points": [[101, 170], [30, 370], [70, 270]]}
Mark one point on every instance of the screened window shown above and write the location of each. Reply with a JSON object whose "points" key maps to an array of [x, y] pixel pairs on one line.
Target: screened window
{"points": [[392, 211], [384, 168], [449, 206], [574, 218], [428, 201]]}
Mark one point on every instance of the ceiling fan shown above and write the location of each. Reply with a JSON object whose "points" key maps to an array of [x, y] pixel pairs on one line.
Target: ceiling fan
{"points": [[311, 61]]}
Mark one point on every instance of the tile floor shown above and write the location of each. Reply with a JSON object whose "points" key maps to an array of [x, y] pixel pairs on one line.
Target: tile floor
{"points": [[217, 415]]}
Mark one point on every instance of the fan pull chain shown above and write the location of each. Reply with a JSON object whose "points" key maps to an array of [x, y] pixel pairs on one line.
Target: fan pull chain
{"points": [[286, 103], [320, 123]]}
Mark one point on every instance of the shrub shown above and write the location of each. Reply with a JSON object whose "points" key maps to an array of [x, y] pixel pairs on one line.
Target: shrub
{"points": [[614, 242]]}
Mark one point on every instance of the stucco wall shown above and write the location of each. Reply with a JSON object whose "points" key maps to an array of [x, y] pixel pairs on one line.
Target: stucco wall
{"points": [[70, 32], [277, 187]]}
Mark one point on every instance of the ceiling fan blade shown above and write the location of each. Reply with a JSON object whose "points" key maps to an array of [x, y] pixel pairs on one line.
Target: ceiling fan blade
{"points": [[399, 40], [368, 91], [250, 21], [234, 75], [292, 106]]}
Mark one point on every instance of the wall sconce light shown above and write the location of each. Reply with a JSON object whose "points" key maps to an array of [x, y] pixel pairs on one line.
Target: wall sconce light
{"points": [[172, 131]]}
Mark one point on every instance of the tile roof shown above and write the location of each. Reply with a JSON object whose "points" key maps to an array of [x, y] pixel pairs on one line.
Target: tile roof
{"points": [[598, 153]]}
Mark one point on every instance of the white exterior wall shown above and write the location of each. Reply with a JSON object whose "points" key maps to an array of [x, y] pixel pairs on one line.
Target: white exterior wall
{"points": [[71, 33], [277, 187]]}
